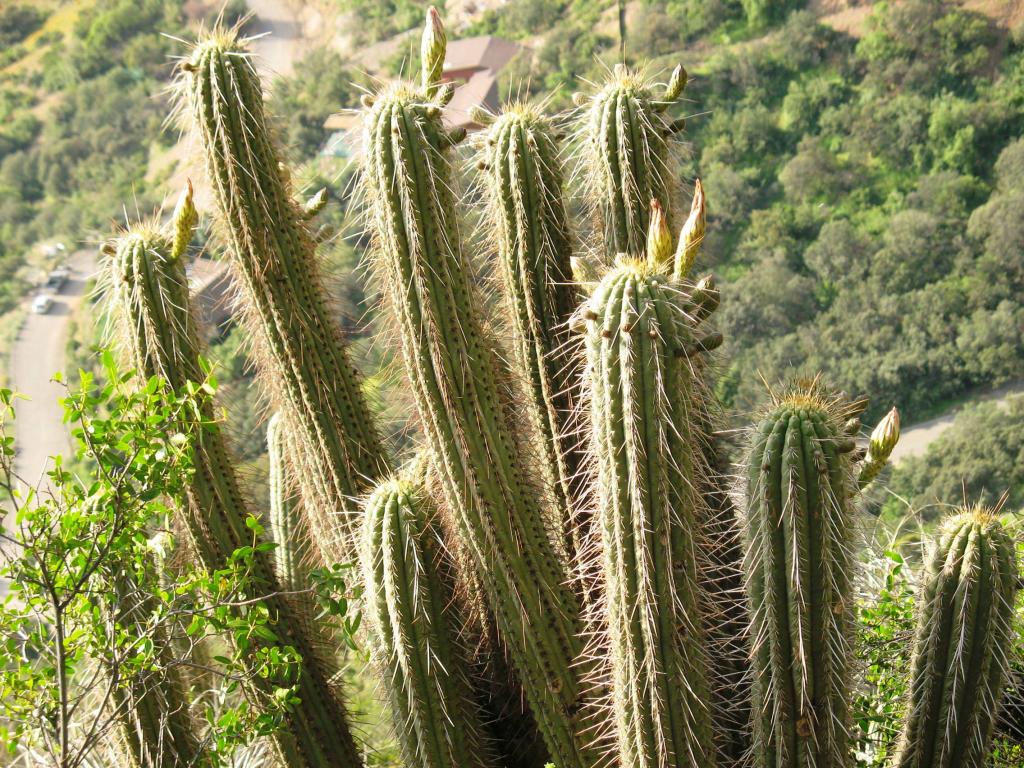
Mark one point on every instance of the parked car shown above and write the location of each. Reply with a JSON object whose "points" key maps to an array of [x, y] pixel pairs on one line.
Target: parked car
{"points": [[42, 304], [56, 279]]}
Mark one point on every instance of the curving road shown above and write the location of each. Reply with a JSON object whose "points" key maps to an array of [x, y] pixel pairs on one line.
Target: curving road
{"points": [[37, 353]]}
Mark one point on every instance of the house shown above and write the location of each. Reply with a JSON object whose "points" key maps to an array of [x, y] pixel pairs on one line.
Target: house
{"points": [[472, 63]]}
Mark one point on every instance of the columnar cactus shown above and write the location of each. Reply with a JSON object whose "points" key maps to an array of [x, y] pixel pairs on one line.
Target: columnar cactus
{"points": [[523, 181], [964, 634], [415, 631], [287, 526], [798, 568], [626, 155], [644, 399], [148, 291], [452, 370], [155, 726], [302, 356]]}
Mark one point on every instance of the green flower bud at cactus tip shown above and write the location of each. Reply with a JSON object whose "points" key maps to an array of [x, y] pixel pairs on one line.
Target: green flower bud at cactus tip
{"points": [[185, 217], [316, 203], [880, 446], [659, 239], [693, 233], [798, 568], [432, 50], [962, 646], [676, 84]]}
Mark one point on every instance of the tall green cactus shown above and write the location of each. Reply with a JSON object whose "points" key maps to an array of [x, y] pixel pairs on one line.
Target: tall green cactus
{"points": [[523, 181], [415, 631], [625, 140], [798, 569], [301, 354], [148, 291], [644, 399], [961, 651], [155, 726], [287, 526], [452, 369]]}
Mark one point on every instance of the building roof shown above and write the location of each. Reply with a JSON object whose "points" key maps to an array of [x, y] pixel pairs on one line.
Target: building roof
{"points": [[476, 61], [486, 52]]}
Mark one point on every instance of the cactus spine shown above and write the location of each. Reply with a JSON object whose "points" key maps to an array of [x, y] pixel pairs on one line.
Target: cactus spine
{"points": [[288, 528], [303, 357], [627, 151], [965, 629], [451, 367], [644, 399], [524, 182], [798, 571], [148, 290], [415, 631]]}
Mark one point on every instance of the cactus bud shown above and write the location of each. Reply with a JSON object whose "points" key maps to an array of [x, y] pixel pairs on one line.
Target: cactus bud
{"points": [[880, 446], [316, 203], [185, 217], [659, 238], [432, 50], [366, 100], [480, 115], [706, 298], [445, 93], [676, 84], [693, 233], [583, 270]]}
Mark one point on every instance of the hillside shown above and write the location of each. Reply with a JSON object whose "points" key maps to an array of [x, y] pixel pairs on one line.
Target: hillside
{"points": [[863, 166]]}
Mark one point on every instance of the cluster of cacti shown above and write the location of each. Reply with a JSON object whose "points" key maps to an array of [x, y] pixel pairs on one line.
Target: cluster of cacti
{"points": [[148, 291], [578, 515]]}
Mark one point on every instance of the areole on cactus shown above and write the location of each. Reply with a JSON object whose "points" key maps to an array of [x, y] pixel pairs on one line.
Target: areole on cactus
{"points": [[646, 665]]}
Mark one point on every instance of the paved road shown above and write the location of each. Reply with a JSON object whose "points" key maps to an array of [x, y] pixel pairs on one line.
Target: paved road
{"points": [[280, 46], [914, 441], [37, 354]]}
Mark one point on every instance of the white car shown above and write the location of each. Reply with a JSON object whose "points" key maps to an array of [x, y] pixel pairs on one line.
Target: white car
{"points": [[42, 304]]}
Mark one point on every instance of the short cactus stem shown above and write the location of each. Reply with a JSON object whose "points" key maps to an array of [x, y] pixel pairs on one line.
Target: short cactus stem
{"points": [[798, 568], [964, 632], [452, 369], [301, 355], [148, 292], [627, 141], [287, 526], [524, 186], [415, 629], [644, 400]]}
